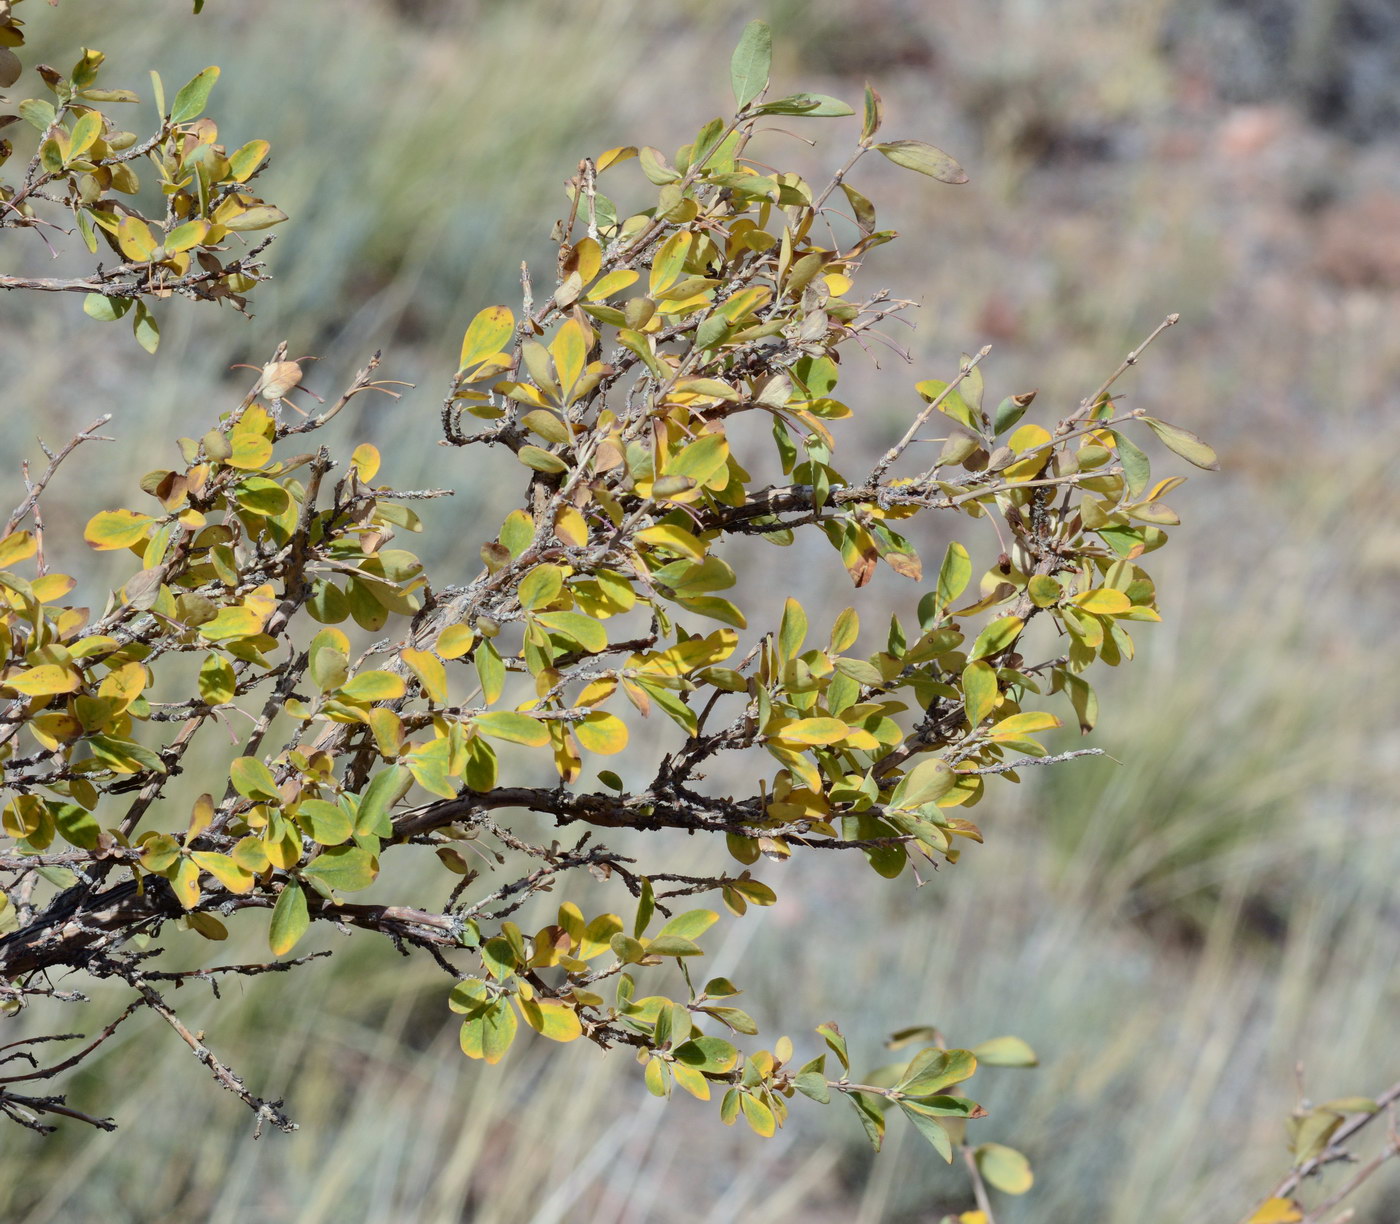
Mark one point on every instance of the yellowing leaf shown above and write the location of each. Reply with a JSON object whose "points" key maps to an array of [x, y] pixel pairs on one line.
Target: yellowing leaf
{"points": [[979, 691], [365, 460], [600, 732], [17, 546], [1005, 1168], [996, 637], [1276, 1211], [557, 1021], [113, 529], [373, 686], [1184, 443], [487, 335], [517, 728], [135, 239], [813, 731], [1024, 724], [454, 641], [225, 870], [289, 919], [1103, 602], [430, 672], [44, 680]]}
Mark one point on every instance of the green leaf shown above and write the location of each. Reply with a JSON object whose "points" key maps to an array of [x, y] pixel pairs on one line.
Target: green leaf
{"points": [[954, 574], [690, 925], [1005, 1052], [1137, 469], [105, 309], [145, 328], [517, 728], [190, 101], [289, 919], [386, 788], [253, 780], [916, 155], [1000, 635], [346, 868], [1005, 1168], [751, 63], [927, 782], [1184, 443], [872, 1121], [931, 1129], [328, 824], [933, 1070]]}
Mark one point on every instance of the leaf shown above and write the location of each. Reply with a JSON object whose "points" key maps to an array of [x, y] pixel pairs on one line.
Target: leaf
{"points": [[690, 925], [346, 868], [933, 1070], [289, 919], [954, 574], [541, 460], [224, 869], [792, 630], [916, 155], [487, 335], [328, 824], [1005, 1168], [1005, 1052], [373, 686], [190, 101], [246, 160], [813, 731], [557, 1021], [1103, 601], [253, 780], [751, 63], [931, 1129], [759, 1117], [1276, 1211], [430, 672], [1184, 443], [601, 732], [1137, 468], [514, 727], [114, 529], [385, 789], [927, 782], [1000, 635], [583, 630]]}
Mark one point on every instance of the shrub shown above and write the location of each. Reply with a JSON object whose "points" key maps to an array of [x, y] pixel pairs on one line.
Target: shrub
{"points": [[671, 389]]}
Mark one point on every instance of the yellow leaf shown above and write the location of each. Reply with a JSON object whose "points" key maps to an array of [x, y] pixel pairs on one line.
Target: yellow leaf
{"points": [[365, 460], [454, 641], [557, 1021], [44, 680], [613, 282], [570, 353], [517, 728], [488, 333], [1103, 602], [813, 731], [570, 527], [114, 529], [430, 672], [135, 239], [186, 883], [373, 686], [225, 870], [15, 547], [600, 732], [1276, 1211]]}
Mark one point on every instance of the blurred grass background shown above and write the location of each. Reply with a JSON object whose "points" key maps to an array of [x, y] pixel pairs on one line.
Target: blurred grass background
{"points": [[1173, 930]]}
